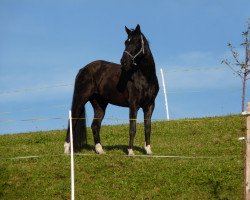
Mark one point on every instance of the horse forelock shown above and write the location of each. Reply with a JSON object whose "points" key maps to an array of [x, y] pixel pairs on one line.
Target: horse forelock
{"points": [[145, 40]]}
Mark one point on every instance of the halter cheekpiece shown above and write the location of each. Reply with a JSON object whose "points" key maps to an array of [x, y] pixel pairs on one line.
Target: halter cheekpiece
{"points": [[141, 51]]}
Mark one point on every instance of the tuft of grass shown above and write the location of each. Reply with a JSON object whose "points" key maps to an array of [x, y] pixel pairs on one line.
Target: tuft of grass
{"points": [[215, 172]]}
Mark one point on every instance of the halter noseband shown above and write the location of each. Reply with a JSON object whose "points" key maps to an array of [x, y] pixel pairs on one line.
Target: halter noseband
{"points": [[141, 50]]}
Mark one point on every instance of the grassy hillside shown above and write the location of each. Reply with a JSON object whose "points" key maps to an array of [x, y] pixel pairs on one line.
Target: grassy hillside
{"points": [[215, 173]]}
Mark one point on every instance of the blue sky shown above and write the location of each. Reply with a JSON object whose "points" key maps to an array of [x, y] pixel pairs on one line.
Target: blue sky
{"points": [[43, 44]]}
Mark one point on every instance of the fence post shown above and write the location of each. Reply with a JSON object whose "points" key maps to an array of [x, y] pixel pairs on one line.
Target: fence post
{"points": [[247, 159], [165, 93], [72, 158]]}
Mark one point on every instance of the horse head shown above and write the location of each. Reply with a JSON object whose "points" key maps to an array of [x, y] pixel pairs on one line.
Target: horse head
{"points": [[134, 49]]}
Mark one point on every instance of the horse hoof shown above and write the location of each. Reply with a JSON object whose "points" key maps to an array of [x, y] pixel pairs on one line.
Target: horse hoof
{"points": [[98, 149], [148, 149], [131, 152], [66, 148]]}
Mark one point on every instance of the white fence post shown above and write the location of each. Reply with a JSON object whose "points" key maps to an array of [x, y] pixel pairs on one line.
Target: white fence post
{"points": [[165, 93], [72, 158]]}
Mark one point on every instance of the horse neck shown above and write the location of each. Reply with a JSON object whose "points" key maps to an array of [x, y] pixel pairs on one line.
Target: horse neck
{"points": [[147, 65]]}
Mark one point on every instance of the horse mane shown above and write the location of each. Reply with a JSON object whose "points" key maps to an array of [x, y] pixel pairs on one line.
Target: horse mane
{"points": [[148, 61], [146, 42]]}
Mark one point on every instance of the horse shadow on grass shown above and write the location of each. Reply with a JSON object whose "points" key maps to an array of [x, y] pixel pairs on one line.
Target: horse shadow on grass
{"points": [[123, 148]]}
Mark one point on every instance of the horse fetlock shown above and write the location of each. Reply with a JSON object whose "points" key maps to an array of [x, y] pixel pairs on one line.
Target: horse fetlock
{"points": [[148, 149], [131, 152], [66, 148], [98, 149]]}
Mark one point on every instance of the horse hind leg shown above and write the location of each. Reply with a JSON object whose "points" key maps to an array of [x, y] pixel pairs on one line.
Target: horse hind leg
{"points": [[79, 128], [99, 107], [67, 143]]}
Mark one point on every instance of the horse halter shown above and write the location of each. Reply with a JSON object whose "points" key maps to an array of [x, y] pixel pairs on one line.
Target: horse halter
{"points": [[141, 51]]}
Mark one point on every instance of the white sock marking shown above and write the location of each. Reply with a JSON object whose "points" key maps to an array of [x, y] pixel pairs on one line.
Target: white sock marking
{"points": [[131, 152], [98, 149], [148, 149], [66, 148]]}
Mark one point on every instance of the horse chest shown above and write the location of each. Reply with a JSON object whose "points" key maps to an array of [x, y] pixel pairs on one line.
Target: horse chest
{"points": [[143, 92]]}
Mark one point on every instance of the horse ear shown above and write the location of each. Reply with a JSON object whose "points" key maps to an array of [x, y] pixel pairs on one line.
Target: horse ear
{"points": [[138, 28], [127, 30]]}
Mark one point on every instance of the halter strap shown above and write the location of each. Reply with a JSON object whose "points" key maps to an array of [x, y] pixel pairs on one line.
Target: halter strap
{"points": [[141, 50]]}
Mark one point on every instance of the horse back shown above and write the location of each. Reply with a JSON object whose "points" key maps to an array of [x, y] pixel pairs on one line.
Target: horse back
{"points": [[105, 78]]}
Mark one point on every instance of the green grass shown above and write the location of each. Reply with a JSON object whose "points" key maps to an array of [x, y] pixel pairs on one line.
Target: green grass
{"points": [[116, 176]]}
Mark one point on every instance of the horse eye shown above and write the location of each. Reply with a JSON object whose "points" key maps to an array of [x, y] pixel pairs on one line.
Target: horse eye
{"points": [[127, 41]]}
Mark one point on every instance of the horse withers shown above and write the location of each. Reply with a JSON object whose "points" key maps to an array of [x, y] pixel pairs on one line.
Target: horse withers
{"points": [[132, 84]]}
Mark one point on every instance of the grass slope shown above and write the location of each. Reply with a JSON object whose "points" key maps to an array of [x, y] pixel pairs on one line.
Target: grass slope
{"points": [[116, 176]]}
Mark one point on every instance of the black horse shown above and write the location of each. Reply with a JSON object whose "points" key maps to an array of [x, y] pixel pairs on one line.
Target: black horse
{"points": [[132, 84]]}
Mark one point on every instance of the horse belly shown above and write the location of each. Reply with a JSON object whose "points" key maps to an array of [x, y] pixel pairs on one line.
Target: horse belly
{"points": [[120, 101], [107, 76], [116, 98]]}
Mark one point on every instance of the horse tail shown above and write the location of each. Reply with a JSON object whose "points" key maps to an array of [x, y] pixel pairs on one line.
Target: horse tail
{"points": [[79, 130], [83, 91]]}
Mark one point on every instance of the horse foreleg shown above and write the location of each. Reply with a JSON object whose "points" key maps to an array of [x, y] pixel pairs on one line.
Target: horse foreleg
{"points": [[132, 129], [147, 127]]}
